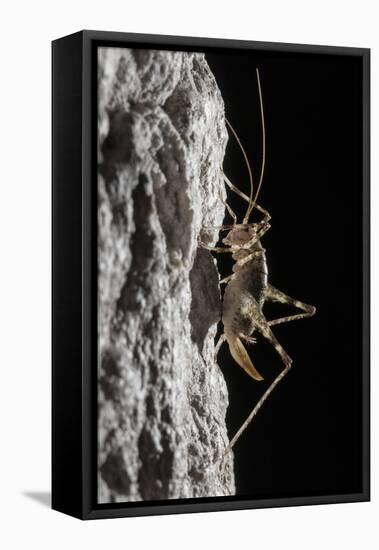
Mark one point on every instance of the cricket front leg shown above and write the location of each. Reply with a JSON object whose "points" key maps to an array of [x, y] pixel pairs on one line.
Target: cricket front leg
{"points": [[220, 341], [235, 189]]}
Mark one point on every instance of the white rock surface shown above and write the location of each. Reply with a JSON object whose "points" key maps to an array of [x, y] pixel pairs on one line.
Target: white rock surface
{"points": [[162, 401]]}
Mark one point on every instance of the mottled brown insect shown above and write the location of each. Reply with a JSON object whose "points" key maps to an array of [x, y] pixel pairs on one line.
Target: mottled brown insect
{"points": [[247, 288]]}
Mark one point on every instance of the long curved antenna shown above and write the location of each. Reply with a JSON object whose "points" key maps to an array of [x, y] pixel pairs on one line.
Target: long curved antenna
{"points": [[247, 164], [252, 202], [251, 205], [263, 138]]}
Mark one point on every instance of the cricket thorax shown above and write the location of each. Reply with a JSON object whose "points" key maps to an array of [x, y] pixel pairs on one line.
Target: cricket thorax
{"points": [[240, 236]]}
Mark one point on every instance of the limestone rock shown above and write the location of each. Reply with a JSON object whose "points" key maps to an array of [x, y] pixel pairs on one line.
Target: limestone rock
{"points": [[162, 401]]}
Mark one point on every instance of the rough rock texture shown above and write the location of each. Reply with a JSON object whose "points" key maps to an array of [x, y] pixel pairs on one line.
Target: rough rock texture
{"points": [[162, 401]]}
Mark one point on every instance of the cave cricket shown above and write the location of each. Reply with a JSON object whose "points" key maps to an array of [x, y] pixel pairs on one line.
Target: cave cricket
{"points": [[247, 288]]}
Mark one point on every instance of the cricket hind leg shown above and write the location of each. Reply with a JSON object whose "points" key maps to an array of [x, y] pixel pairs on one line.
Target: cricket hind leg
{"points": [[262, 325], [253, 413], [275, 295]]}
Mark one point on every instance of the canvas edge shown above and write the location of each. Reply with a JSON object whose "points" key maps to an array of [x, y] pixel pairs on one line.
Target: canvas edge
{"points": [[89, 508]]}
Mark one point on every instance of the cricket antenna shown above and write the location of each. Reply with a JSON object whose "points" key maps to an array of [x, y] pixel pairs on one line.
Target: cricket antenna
{"points": [[246, 161], [253, 203]]}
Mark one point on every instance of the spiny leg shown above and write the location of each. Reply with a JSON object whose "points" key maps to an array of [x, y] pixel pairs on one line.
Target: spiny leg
{"points": [[220, 341], [229, 209], [262, 325], [275, 295], [232, 214], [219, 250], [235, 188], [249, 339], [245, 197], [256, 409]]}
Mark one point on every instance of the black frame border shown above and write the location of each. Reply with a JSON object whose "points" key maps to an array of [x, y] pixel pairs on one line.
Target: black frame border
{"points": [[84, 379]]}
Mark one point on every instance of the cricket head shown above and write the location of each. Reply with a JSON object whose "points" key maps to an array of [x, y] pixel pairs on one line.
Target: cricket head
{"points": [[239, 236]]}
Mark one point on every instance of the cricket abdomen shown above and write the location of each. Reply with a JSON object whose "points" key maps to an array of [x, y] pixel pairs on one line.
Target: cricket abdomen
{"points": [[244, 294]]}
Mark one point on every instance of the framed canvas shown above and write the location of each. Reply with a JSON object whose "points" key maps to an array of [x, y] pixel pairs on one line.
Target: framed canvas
{"points": [[210, 275]]}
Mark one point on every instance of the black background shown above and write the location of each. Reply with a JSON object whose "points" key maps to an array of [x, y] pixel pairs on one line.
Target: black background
{"points": [[307, 438]]}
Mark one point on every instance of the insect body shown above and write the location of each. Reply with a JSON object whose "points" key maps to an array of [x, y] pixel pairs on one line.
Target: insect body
{"points": [[244, 293], [247, 288]]}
